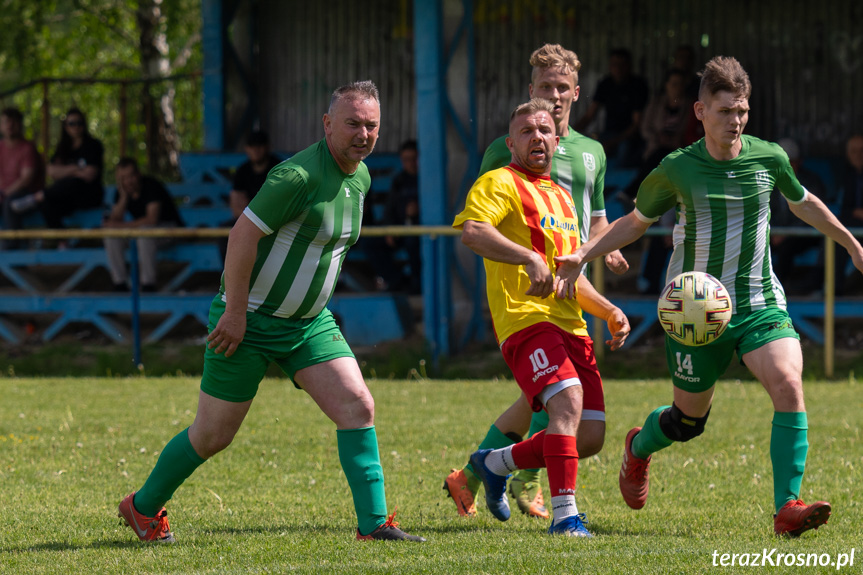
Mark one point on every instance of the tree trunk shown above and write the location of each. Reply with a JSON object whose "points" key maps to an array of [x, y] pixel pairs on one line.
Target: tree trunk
{"points": [[157, 98]]}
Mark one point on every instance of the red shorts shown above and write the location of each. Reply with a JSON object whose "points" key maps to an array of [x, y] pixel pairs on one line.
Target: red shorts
{"points": [[543, 354]]}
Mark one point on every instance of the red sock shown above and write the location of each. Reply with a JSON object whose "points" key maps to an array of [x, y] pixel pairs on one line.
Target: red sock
{"points": [[561, 461], [528, 453]]}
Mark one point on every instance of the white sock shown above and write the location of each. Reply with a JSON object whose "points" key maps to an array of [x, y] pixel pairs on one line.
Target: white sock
{"points": [[500, 461], [563, 506]]}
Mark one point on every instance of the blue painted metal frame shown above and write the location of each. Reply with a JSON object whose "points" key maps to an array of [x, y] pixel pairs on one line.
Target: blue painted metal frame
{"points": [[212, 42]]}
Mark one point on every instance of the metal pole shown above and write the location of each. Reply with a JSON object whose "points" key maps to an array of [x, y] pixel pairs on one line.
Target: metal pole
{"points": [[136, 304], [829, 300]]}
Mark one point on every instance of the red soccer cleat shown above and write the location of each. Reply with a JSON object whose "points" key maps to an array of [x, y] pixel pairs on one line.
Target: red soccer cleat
{"points": [[146, 528], [796, 517], [634, 482]]}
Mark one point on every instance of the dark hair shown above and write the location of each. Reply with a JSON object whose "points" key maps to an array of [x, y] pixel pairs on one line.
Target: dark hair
{"points": [[13, 114], [126, 161], [64, 148], [408, 145], [258, 138]]}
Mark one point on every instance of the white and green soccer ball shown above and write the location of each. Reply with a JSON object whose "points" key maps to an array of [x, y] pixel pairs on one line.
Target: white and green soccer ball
{"points": [[694, 308]]}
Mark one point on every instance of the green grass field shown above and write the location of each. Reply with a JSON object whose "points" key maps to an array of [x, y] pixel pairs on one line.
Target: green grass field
{"points": [[276, 501]]}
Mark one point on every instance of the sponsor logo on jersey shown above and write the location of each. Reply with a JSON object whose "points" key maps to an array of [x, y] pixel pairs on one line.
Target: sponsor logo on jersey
{"points": [[549, 222], [347, 192], [762, 179], [589, 161], [561, 149]]}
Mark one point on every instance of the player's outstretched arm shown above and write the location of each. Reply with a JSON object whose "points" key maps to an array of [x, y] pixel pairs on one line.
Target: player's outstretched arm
{"points": [[614, 261], [813, 211], [485, 239], [597, 305], [239, 261], [619, 233]]}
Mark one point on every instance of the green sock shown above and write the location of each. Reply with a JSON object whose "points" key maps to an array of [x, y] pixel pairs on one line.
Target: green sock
{"points": [[176, 463], [650, 439], [494, 439], [788, 448], [538, 422], [361, 462]]}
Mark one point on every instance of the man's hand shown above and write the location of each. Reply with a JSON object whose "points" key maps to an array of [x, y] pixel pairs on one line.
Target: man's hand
{"points": [[618, 325], [616, 262], [568, 270], [541, 279], [228, 333]]}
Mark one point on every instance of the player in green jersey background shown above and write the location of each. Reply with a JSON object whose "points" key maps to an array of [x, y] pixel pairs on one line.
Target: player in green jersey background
{"points": [[282, 263], [578, 167], [721, 188]]}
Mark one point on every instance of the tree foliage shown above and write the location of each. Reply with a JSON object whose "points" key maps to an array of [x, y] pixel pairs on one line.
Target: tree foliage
{"points": [[108, 40]]}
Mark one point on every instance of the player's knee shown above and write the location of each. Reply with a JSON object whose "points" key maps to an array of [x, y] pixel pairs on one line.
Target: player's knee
{"points": [[591, 437], [677, 426]]}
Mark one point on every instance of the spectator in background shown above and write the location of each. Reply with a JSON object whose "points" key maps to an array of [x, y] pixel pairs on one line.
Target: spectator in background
{"points": [[402, 209], [684, 61], [249, 178], [623, 95], [20, 167], [150, 205], [783, 249], [252, 174], [851, 208], [76, 168]]}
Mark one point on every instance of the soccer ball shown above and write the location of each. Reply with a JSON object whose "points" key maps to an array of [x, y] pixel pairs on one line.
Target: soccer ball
{"points": [[694, 308]]}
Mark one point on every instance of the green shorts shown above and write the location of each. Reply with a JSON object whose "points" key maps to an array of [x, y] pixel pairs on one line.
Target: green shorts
{"points": [[696, 369], [293, 344]]}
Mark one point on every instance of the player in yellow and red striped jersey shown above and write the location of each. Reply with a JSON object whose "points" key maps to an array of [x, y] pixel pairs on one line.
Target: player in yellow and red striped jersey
{"points": [[517, 219]]}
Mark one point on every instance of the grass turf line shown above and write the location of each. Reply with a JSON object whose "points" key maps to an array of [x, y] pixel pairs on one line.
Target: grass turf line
{"points": [[276, 500]]}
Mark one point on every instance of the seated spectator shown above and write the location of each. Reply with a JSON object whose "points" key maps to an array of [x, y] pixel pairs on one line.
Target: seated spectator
{"points": [[402, 209], [783, 249], [249, 178], [149, 205], [663, 126], [252, 174], [76, 169], [623, 95], [851, 208], [20, 167]]}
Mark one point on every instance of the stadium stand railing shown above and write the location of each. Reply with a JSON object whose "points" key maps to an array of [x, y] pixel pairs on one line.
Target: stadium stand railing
{"points": [[202, 197]]}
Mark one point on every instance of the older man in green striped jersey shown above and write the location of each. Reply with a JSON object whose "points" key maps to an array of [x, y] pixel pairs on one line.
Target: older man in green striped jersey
{"points": [[721, 188], [283, 260]]}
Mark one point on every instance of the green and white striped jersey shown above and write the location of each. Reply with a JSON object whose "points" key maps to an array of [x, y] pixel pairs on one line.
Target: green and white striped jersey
{"points": [[578, 166], [311, 212], [723, 215]]}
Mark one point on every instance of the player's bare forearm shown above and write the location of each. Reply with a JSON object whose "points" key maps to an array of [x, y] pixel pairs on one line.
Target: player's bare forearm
{"points": [[597, 305], [813, 211]]}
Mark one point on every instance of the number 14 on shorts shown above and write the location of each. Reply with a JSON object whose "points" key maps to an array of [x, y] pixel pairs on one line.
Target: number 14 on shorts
{"points": [[684, 362]]}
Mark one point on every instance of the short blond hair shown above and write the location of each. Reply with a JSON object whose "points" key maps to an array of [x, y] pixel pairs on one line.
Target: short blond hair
{"points": [[724, 74], [555, 56], [532, 106]]}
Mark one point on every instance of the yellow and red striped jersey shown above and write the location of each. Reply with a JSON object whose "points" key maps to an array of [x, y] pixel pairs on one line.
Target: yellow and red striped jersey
{"points": [[536, 213]]}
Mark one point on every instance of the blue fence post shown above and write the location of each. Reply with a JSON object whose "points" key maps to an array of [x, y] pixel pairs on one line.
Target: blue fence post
{"points": [[136, 303]]}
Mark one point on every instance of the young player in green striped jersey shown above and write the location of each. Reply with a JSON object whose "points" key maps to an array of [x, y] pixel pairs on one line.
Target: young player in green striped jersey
{"points": [[578, 167], [721, 188], [283, 259]]}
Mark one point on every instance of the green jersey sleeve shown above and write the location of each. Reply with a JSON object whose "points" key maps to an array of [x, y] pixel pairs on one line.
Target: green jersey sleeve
{"points": [[656, 194], [282, 198], [497, 155], [597, 200], [786, 180]]}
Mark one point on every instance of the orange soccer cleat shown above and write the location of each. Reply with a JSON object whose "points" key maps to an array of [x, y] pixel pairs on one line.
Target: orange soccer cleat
{"points": [[146, 528], [456, 486]]}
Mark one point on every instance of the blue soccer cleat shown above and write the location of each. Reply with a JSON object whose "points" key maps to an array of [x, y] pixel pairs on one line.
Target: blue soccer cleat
{"points": [[495, 485], [571, 527]]}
